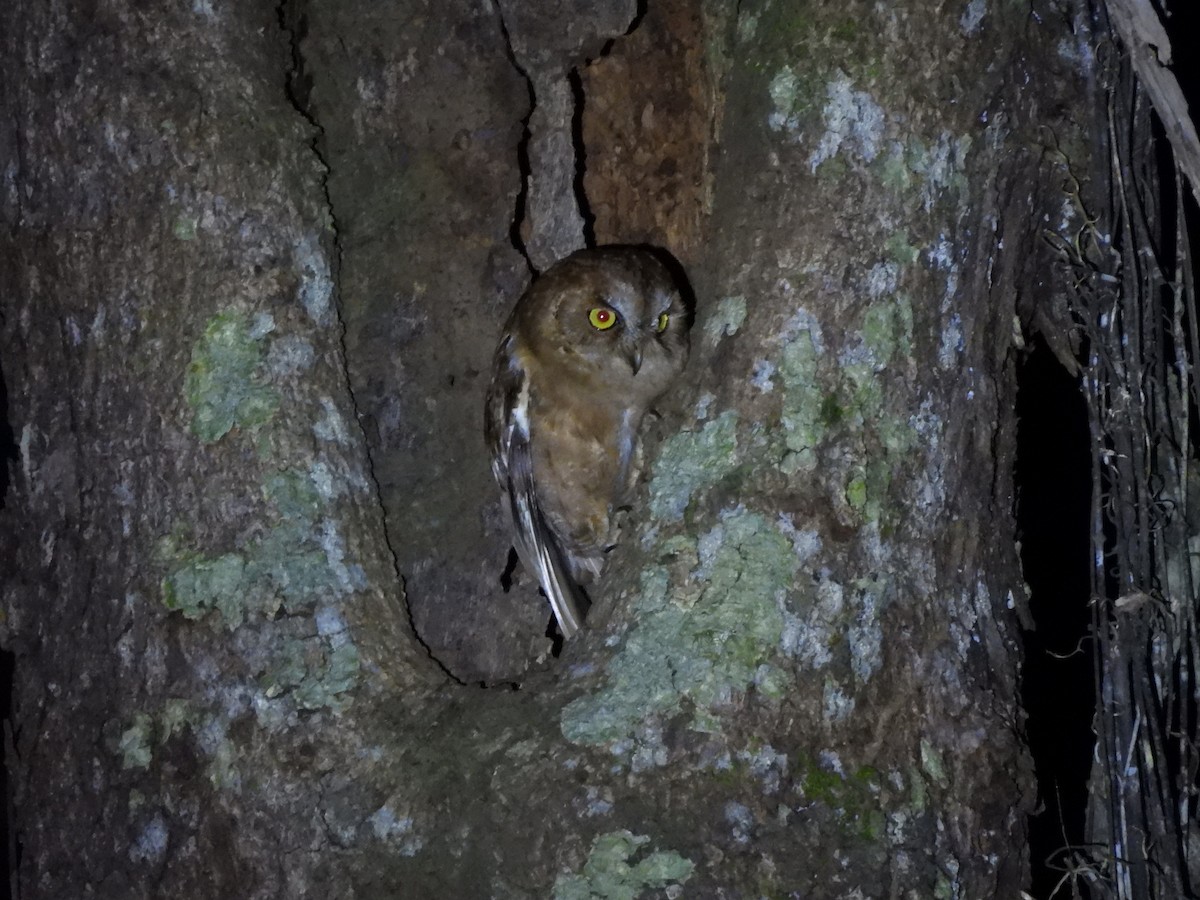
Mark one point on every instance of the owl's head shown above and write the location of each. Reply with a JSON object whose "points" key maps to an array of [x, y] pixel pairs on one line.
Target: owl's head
{"points": [[616, 312]]}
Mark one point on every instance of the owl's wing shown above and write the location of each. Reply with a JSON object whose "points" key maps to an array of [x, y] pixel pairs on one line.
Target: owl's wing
{"points": [[512, 464]]}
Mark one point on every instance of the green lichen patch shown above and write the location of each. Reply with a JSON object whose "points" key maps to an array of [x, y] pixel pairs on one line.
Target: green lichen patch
{"points": [[887, 329], [856, 493], [609, 873], [281, 569], [725, 320], [885, 439], [925, 170], [723, 642], [294, 495], [854, 798], [690, 462], [811, 33], [184, 227], [831, 411], [208, 731], [223, 385], [203, 583], [324, 684], [797, 95], [805, 411], [134, 744], [294, 564], [299, 565], [932, 765], [899, 249]]}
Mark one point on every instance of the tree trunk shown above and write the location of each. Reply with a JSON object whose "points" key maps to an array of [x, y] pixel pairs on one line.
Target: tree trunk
{"points": [[254, 265]]}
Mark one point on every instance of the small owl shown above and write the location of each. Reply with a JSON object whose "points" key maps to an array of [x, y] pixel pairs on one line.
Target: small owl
{"points": [[589, 346]]}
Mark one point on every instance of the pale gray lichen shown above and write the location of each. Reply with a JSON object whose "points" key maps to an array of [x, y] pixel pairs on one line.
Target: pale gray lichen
{"points": [[331, 426], [316, 282], [290, 354], [952, 343], [854, 123], [942, 167], [609, 873], [740, 820], [721, 644], [836, 704], [725, 320], [762, 375], [882, 279], [864, 638], [224, 385], [151, 842], [765, 763], [397, 830], [747, 25], [809, 639], [972, 17]]}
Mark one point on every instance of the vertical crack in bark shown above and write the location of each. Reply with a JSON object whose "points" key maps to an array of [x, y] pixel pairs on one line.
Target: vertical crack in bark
{"points": [[298, 87], [553, 216], [642, 6], [585, 210], [522, 202]]}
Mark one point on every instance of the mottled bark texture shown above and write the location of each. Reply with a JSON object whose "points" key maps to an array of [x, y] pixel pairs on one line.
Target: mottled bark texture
{"points": [[800, 673]]}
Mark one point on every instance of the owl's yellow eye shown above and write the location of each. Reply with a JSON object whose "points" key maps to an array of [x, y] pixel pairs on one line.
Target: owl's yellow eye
{"points": [[663, 320], [602, 317]]}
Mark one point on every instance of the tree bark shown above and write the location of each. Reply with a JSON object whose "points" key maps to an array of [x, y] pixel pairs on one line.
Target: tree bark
{"points": [[254, 264]]}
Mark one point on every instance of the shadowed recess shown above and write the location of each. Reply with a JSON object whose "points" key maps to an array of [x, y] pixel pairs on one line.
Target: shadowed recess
{"points": [[1053, 480]]}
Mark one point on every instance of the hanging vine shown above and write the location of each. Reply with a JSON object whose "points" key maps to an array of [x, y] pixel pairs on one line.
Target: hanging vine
{"points": [[1131, 283]]}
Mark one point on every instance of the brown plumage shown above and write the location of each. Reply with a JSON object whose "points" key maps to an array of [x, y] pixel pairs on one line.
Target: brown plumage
{"points": [[588, 347]]}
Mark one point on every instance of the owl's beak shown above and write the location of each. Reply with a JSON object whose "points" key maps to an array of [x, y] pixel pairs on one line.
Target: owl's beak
{"points": [[634, 355]]}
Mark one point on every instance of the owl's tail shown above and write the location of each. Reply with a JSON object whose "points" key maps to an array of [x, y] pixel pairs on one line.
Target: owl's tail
{"points": [[539, 551], [565, 596]]}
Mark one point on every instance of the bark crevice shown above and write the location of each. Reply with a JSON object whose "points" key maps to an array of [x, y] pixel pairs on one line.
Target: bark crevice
{"points": [[298, 84], [521, 203]]}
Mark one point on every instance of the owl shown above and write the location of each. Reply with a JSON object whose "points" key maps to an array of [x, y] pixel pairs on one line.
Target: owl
{"points": [[588, 348]]}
